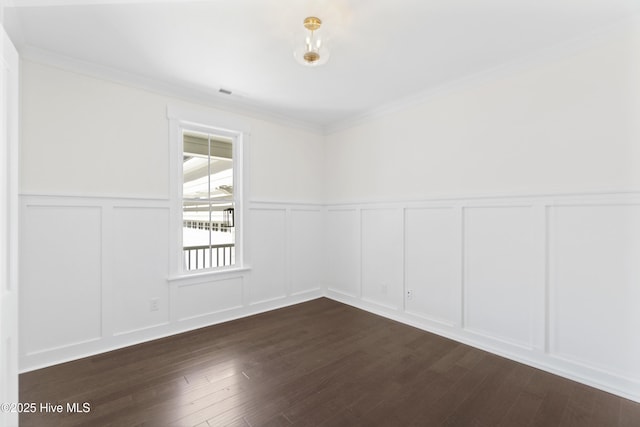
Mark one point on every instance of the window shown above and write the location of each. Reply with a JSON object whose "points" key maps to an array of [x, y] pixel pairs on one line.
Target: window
{"points": [[208, 229], [206, 193]]}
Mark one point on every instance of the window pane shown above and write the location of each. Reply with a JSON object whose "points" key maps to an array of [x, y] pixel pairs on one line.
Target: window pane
{"points": [[208, 203]]}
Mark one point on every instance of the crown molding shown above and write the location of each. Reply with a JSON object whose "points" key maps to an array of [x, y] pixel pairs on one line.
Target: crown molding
{"points": [[199, 95], [53, 3], [211, 98], [538, 58]]}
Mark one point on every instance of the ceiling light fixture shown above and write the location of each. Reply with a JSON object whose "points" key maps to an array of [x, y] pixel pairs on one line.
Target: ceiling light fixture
{"points": [[313, 51]]}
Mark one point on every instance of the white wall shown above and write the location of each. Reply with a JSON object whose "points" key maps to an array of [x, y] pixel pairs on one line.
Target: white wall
{"points": [[122, 135], [504, 211], [95, 220], [562, 124]]}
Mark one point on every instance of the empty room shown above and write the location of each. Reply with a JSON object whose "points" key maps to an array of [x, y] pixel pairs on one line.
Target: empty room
{"points": [[320, 213]]}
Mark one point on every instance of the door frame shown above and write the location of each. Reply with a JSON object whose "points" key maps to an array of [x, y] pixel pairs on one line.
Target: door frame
{"points": [[9, 123]]}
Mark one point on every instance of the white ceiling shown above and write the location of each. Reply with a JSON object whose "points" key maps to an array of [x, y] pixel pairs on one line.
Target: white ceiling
{"points": [[381, 50]]}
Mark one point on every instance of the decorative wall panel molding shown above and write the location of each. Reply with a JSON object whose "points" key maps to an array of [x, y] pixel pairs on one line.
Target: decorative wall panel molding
{"points": [[433, 267], [342, 245], [140, 251], [204, 299], [59, 242], [382, 256], [594, 284], [500, 275], [551, 281], [267, 254], [94, 274], [306, 249]]}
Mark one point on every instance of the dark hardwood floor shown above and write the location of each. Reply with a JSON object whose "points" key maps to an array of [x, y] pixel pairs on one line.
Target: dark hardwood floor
{"points": [[320, 363]]}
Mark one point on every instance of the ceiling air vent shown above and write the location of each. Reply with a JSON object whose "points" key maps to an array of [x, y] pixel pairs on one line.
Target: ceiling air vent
{"points": [[225, 91]]}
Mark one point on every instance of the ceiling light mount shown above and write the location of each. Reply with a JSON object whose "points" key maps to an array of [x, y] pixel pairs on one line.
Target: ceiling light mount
{"points": [[312, 23], [313, 51]]}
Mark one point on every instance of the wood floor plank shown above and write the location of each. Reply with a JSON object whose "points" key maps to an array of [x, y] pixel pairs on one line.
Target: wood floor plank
{"points": [[555, 396], [499, 402], [437, 412], [629, 413], [239, 422], [606, 410], [471, 410], [319, 363], [579, 409], [523, 410]]}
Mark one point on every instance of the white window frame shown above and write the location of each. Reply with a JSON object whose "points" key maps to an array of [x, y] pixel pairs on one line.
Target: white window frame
{"points": [[181, 119]]}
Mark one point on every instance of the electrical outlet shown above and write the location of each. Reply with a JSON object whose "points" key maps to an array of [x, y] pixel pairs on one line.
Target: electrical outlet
{"points": [[383, 289], [409, 293], [154, 304]]}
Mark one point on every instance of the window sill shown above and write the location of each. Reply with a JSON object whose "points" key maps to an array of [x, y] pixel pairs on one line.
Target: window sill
{"points": [[203, 276]]}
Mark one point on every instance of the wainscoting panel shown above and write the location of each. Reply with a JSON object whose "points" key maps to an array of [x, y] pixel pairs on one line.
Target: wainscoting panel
{"points": [[268, 255], [60, 276], [94, 273], [550, 281], [306, 250], [595, 286], [140, 259], [433, 264], [208, 298], [342, 245], [382, 257], [500, 272]]}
